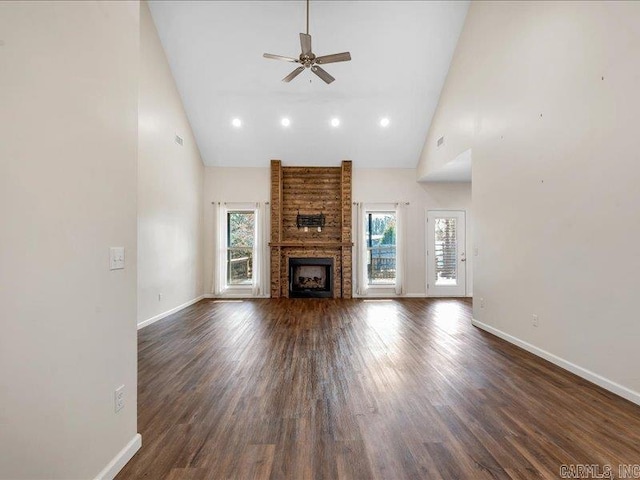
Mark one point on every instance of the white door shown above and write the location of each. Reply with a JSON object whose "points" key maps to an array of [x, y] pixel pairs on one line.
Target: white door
{"points": [[446, 256]]}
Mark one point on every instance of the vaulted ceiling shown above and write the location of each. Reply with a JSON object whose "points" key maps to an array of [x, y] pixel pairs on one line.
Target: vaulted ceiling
{"points": [[401, 52]]}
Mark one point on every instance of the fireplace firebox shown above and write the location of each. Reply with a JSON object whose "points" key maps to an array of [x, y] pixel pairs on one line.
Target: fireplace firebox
{"points": [[311, 277]]}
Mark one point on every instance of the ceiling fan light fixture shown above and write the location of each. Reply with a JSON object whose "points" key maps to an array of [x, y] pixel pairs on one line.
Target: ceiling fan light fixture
{"points": [[285, 122], [335, 122], [236, 122], [384, 122], [308, 59]]}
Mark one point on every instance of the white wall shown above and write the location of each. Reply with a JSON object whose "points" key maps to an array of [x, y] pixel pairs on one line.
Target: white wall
{"points": [[389, 185], [369, 185], [170, 188], [69, 116], [546, 95]]}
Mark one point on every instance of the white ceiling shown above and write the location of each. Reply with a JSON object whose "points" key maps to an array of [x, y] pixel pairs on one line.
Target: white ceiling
{"points": [[401, 52]]}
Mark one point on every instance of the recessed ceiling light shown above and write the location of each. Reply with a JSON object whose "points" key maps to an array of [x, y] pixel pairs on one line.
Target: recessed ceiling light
{"points": [[285, 122], [236, 122], [384, 122], [335, 122]]}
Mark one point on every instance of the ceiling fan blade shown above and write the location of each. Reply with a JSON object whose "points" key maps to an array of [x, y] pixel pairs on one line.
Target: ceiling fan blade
{"points": [[336, 57], [305, 43], [322, 74], [280, 57], [293, 74]]}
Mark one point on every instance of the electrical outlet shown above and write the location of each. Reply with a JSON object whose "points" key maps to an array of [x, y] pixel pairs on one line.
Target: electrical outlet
{"points": [[534, 320], [116, 258], [119, 398], [481, 302]]}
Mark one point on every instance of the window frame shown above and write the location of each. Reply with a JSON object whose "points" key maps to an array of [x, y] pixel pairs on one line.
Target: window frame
{"points": [[369, 247], [228, 288], [225, 267]]}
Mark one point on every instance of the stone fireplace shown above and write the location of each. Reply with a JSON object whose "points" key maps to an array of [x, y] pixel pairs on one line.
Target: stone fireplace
{"points": [[311, 192], [310, 277]]}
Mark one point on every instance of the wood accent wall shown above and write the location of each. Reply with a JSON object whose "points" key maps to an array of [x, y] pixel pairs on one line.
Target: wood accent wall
{"points": [[311, 190]]}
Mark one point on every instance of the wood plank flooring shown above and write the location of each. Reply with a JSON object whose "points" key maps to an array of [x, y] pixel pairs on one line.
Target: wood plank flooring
{"points": [[339, 389]]}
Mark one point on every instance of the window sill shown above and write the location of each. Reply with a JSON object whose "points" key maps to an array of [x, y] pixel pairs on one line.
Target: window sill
{"points": [[237, 288], [382, 286]]}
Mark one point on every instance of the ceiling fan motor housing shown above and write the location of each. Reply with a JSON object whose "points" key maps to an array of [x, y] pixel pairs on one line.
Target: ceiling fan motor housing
{"points": [[307, 60]]}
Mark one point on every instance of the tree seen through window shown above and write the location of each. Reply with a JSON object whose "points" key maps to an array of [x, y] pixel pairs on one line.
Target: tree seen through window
{"points": [[381, 245], [240, 240]]}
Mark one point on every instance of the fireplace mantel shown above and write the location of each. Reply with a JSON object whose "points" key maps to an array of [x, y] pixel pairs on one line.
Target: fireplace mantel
{"points": [[312, 244], [311, 191]]}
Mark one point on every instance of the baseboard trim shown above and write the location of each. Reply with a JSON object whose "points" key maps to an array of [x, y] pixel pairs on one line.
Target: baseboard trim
{"points": [[160, 316], [371, 294], [120, 460], [599, 380], [235, 296]]}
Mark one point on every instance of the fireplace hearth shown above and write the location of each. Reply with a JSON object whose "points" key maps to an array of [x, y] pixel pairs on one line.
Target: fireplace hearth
{"points": [[310, 277]]}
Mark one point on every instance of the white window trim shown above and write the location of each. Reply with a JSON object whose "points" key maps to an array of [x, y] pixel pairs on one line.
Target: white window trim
{"points": [[364, 288], [229, 288], [258, 287]]}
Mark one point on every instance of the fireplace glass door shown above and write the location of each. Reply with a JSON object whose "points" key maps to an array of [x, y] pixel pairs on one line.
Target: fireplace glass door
{"points": [[311, 277]]}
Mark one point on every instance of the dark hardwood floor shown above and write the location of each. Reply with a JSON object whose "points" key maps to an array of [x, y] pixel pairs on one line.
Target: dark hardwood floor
{"points": [[334, 389]]}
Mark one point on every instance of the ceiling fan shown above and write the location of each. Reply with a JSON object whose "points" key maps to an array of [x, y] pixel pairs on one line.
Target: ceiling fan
{"points": [[307, 58]]}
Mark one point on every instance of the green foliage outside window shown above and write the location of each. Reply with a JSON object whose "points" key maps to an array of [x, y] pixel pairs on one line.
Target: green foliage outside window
{"points": [[241, 229], [389, 235]]}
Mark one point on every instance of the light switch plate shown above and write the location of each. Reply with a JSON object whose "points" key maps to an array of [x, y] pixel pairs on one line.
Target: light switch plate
{"points": [[119, 398], [116, 258]]}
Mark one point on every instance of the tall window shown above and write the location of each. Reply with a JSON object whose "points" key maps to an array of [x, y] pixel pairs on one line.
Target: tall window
{"points": [[381, 247], [241, 232]]}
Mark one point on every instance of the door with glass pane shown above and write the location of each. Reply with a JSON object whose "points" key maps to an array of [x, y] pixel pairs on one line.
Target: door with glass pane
{"points": [[446, 256]]}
